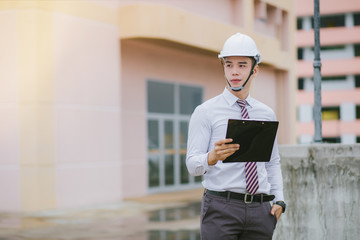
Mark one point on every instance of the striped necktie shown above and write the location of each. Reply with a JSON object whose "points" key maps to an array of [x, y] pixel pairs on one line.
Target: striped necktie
{"points": [[252, 183]]}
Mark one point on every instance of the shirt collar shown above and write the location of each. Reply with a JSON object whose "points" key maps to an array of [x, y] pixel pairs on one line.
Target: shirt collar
{"points": [[231, 98]]}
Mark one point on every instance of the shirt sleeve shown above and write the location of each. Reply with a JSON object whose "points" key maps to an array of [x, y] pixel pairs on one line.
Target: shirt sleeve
{"points": [[198, 142], [273, 168]]}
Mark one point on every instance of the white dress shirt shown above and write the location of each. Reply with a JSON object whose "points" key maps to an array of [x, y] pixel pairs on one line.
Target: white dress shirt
{"points": [[208, 124]]}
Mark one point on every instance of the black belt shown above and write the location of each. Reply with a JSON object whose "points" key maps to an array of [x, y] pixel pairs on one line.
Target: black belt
{"points": [[247, 198]]}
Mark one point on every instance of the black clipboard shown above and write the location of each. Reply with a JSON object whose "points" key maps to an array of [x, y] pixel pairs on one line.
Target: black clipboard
{"points": [[256, 139]]}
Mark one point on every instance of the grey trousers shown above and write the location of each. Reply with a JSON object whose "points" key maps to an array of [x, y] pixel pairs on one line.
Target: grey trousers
{"points": [[231, 219]]}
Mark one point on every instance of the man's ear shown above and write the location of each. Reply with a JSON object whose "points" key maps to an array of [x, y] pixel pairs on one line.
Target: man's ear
{"points": [[256, 69]]}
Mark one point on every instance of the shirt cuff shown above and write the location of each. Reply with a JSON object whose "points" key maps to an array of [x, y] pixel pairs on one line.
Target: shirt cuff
{"points": [[278, 197]]}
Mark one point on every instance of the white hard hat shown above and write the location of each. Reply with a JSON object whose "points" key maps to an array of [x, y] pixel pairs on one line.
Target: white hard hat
{"points": [[240, 45]]}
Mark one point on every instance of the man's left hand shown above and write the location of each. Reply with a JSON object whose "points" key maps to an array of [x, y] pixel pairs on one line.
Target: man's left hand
{"points": [[276, 210]]}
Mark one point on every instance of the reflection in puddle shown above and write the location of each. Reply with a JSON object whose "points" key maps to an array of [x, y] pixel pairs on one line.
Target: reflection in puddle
{"points": [[175, 223], [175, 214], [190, 211], [174, 235]]}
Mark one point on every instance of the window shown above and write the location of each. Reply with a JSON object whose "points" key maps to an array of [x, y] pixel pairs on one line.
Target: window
{"points": [[332, 139], [190, 97], [300, 53], [157, 94], [299, 23], [356, 19], [357, 139], [357, 111], [260, 10], [357, 50], [334, 78], [271, 21], [169, 108], [330, 113], [357, 81], [153, 146], [330, 21], [301, 84], [330, 48]]}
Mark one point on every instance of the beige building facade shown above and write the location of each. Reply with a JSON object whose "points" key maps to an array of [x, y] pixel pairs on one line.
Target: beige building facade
{"points": [[96, 96]]}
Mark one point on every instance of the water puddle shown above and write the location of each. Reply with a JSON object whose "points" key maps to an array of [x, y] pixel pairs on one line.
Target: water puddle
{"points": [[174, 235], [175, 214], [121, 223]]}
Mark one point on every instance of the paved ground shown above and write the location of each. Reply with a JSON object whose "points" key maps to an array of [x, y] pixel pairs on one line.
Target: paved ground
{"points": [[170, 216]]}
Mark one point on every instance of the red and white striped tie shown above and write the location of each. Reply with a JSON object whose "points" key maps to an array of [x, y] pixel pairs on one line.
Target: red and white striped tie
{"points": [[252, 183]]}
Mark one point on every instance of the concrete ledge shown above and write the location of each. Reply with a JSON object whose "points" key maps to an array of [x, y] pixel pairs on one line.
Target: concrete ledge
{"points": [[322, 189]]}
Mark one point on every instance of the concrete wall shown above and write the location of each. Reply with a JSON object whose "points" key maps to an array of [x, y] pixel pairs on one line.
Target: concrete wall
{"points": [[322, 190]]}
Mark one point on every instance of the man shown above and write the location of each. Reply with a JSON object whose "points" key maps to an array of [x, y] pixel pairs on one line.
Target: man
{"points": [[236, 201]]}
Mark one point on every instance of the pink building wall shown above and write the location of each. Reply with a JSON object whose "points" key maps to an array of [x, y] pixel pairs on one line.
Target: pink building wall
{"points": [[86, 111], [306, 7], [9, 115], [73, 89]]}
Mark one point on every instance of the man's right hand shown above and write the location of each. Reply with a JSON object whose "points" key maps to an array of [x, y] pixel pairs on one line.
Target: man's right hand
{"points": [[222, 150]]}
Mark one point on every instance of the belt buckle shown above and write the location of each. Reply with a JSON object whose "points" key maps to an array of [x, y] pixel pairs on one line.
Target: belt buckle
{"points": [[245, 198]]}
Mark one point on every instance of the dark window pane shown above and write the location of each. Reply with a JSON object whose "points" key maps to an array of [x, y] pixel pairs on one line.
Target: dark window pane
{"points": [[356, 19], [299, 24], [169, 135], [334, 78], [160, 97], [357, 50], [169, 170], [300, 83], [190, 97], [332, 140], [300, 53], [153, 134], [154, 173], [333, 47], [183, 135], [330, 21], [358, 111], [357, 81]]}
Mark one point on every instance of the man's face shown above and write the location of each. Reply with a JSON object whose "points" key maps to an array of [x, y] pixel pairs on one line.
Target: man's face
{"points": [[237, 70]]}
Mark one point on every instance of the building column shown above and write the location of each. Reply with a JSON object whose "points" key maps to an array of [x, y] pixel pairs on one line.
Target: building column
{"points": [[36, 110]]}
